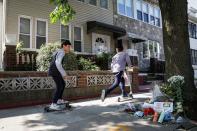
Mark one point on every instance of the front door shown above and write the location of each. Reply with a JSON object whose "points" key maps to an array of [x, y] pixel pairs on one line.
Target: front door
{"points": [[100, 43]]}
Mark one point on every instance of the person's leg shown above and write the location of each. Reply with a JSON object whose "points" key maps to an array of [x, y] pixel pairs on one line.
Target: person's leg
{"points": [[62, 88], [105, 92], [122, 87], [115, 84], [58, 88]]}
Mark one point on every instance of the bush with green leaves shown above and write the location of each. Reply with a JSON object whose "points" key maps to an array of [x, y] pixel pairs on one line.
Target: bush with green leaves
{"points": [[86, 64], [45, 56], [103, 60], [173, 88], [19, 46], [70, 61]]}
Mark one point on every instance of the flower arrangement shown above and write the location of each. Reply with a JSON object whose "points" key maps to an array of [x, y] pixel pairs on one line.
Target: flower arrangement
{"points": [[173, 88]]}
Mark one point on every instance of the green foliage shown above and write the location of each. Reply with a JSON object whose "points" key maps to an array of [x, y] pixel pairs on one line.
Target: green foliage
{"points": [[63, 12], [19, 46], [70, 61], [45, 56], [86, 64], [173, 88], [103, 60]]}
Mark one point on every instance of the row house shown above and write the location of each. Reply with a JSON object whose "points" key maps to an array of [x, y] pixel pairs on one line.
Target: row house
{"points": [[97, 27], [143, 24], [91, 31], [192, 28]]}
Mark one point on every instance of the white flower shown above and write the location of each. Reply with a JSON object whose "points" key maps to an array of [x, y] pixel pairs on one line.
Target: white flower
{"points": [[175, 79]]}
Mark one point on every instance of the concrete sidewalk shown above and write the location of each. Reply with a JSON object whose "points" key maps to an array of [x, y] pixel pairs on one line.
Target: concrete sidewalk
{"points": [[91, 115]]}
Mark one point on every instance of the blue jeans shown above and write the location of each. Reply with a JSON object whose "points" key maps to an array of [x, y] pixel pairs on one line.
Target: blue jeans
{"points": [[119, 81]]}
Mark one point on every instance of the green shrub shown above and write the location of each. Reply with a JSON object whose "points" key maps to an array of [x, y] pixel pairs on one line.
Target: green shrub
{"points": [[19, 46], [86, 64], [173, 88], [45, 56], [70, 61], [103, 60]]}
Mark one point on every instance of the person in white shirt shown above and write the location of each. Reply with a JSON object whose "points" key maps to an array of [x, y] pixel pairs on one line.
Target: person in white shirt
{"points": [[58, 74], [118, 66]]}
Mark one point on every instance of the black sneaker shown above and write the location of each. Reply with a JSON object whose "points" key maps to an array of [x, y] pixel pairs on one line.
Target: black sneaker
{"points": [[103, 95]]}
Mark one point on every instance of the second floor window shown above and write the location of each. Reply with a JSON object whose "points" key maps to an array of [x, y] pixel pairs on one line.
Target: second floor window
{"points": [[125, 7], [192, 30], [77, 39], [41, 33], [151, 12], [25, 31], [157, 17], [145, 12], [193, 56], [104, 4], [64, 32], [139, 9]]}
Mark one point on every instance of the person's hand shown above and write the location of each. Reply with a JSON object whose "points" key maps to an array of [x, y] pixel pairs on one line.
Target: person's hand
{"points": [[67, 78]]}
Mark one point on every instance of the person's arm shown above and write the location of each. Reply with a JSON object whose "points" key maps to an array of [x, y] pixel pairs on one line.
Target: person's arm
{"points": [[58, 63]]}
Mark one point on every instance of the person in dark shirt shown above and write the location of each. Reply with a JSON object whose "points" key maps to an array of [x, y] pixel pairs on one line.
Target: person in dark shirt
{"points": [[58, 74]]}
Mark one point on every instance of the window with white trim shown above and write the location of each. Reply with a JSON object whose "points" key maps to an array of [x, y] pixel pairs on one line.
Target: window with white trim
{"points": [[41, 33], [145, 50], [25, 31], [193, 54], [151, 13], [78, 39], [139, 9], [125, 7], [145, 12], [192, 30], [151, 49], [157, 17], [92, 2], [64, 32], [104, 4]]}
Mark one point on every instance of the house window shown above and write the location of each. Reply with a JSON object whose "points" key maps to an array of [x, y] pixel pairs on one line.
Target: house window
{"points": [[151, 13], [157, 17], [41, 33], [125, 7], [194, 56], [93, 2], [128, 6], [145, 12], [104, 4], [151, 49], [64, 32], [121, 7], [192, 30], [139, 9], [25, 31], [77, 39], [145, 50]]}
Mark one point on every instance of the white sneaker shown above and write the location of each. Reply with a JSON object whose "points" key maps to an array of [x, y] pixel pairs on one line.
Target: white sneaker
{"points": [[61, 101], [55, 106]]}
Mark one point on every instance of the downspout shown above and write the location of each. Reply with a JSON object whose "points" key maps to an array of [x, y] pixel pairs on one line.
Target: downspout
{"points": [[3, 30]]}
